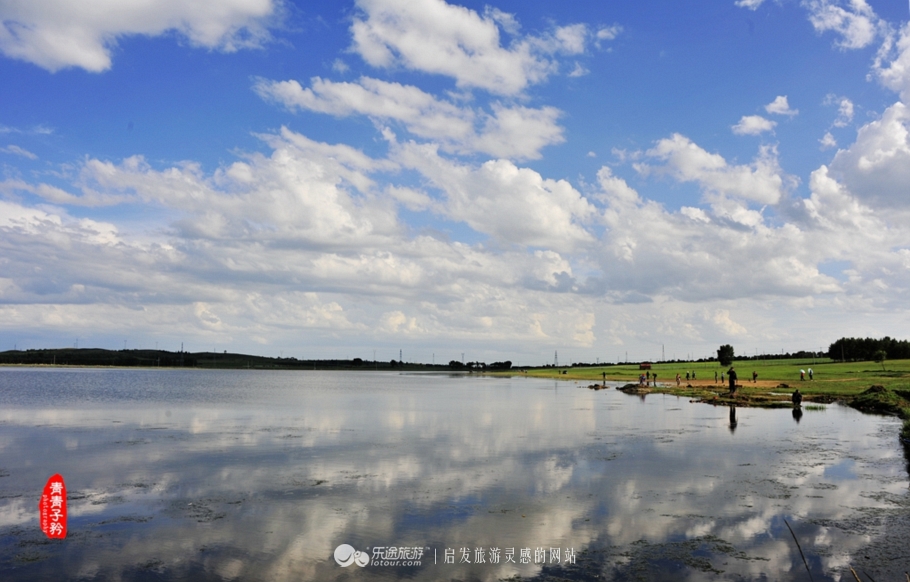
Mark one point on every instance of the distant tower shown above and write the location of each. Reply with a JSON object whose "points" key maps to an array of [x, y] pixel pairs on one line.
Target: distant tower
{"points": [[399, 356], [555, 359]]}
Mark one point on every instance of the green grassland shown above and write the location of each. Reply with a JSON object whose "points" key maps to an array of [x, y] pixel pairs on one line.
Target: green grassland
{"points": [[849, 382], [834, 378]]}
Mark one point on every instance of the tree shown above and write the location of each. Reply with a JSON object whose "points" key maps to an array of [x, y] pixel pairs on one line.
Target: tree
{"points": [[855, 349], [879, 358], [725, 355]]}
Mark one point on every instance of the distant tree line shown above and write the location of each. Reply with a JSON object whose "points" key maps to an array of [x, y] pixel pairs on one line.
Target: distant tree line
{"points": [[100, 357], [480, 366], [163, 358], [864, 349]]}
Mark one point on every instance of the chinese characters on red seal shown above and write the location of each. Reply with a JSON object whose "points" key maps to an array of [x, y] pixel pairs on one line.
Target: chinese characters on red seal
{"points": [[52, 508]]}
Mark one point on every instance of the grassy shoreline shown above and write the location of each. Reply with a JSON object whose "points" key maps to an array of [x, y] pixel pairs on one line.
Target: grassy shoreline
{"points": [[866, 386]]}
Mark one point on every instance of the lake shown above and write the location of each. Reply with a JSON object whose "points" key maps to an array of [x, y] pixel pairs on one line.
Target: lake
{"points": [[253, 475]]}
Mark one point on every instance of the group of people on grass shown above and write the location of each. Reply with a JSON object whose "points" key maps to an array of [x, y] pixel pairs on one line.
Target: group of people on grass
{"points": [[797, 398], [689, 376], [647, 378], [731, 375]]}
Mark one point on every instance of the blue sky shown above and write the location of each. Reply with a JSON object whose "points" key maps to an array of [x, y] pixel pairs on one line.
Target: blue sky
{"points": [[504, 180]]}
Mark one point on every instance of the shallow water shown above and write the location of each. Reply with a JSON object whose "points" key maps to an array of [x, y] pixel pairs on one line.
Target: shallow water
{"points": [[250, 475]]}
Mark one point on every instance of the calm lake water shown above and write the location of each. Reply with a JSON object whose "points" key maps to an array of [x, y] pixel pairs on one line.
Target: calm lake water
{"points": [[250, 475]]}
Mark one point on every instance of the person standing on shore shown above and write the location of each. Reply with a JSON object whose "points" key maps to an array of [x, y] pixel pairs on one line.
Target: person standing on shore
{"points": [[715, 376], [754, 376], [677, 378], [731, 373], [797, 398]]}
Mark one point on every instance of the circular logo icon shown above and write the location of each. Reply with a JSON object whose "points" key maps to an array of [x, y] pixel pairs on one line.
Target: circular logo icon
{"points": [[346, 555]]}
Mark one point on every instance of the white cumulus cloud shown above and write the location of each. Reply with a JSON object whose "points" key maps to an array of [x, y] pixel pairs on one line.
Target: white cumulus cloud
{"points": [[55, 34], [697, 254], [753, 125], [780, 106], [609, 32], [509, 131], [876, 168], [513, 205], [845, 109], [433, 36], [827, 141], [750, 4], [857, 24], [762, 181], [892, 64]]}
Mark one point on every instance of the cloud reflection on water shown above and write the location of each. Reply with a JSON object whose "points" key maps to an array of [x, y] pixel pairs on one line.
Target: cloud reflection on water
{"points": [[267, 480]]}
